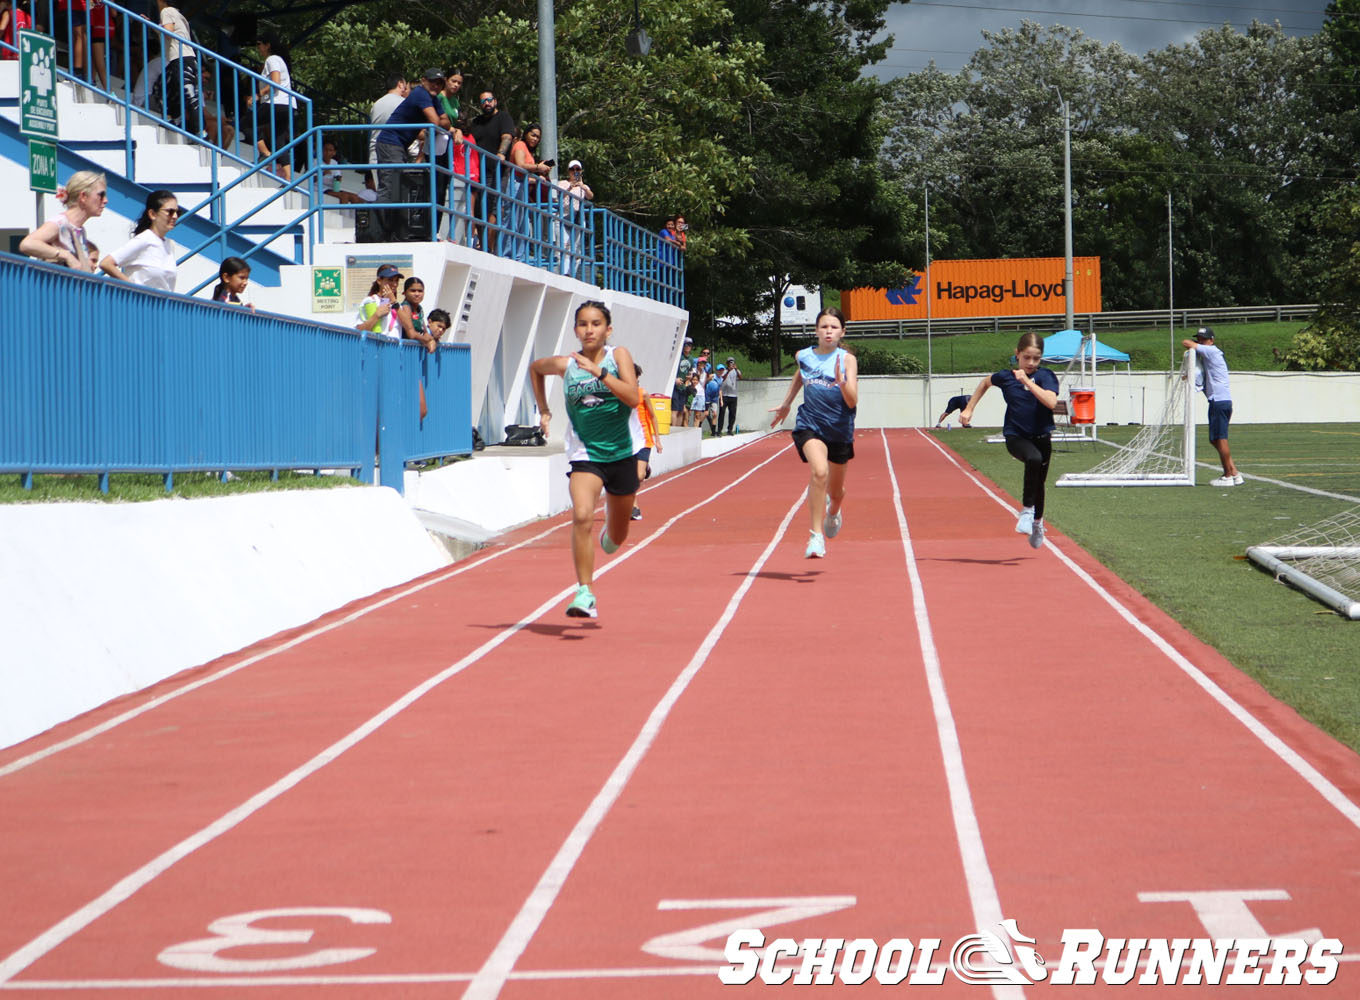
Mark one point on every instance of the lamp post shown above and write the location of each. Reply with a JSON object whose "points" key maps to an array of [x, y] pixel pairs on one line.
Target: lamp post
{"points": [[547, 82]]}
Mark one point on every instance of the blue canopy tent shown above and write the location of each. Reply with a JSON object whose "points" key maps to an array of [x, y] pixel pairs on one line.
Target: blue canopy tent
{"points": [[1075, 349], [1063, 346]]}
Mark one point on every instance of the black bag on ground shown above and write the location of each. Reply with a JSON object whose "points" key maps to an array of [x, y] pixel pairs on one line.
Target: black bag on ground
{"points": [[519, 434]]}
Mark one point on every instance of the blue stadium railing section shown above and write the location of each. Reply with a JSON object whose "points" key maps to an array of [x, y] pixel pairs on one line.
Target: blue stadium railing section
{"points": [[165, 384], [468, 195]]}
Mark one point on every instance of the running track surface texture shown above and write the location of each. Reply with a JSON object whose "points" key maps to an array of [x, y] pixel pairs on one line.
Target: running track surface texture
{"points": [[453, 790]]}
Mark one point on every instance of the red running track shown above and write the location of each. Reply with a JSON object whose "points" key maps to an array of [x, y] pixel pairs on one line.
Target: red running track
{"points": [[453, 790]]}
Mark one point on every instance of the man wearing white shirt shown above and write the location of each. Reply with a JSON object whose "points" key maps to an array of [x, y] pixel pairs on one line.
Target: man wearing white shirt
{"points": [[397, 90]]}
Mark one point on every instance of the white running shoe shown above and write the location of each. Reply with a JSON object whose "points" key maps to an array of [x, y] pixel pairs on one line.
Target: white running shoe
{"points": [[1224, 481], [1036, 535], [816, 547], [1238, 480], [1026, 523], [833, 525]]}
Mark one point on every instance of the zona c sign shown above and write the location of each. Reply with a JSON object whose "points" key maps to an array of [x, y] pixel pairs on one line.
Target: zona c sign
{"points": [[42, 166]]}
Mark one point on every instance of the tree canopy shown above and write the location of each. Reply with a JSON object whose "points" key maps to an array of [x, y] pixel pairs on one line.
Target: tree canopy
{"points": [[760, 122]]}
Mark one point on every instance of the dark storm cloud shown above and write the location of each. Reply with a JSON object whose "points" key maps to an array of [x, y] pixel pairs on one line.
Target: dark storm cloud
{"points": [[949, 31]]}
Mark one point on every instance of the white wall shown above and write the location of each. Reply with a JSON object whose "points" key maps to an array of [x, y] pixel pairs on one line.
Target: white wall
{"points": [[1258, 398], [99, 600]]}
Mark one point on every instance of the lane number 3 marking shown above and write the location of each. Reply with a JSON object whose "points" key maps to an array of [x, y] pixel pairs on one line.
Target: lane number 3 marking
{"points": [[238, 931]]}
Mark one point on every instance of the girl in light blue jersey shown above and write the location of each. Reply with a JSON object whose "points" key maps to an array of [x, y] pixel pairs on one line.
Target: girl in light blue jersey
{"points": [[601, 391], [824, 432]]}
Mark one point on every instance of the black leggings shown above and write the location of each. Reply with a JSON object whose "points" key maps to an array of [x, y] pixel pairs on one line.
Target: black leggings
{"points": [[1035, 453]]}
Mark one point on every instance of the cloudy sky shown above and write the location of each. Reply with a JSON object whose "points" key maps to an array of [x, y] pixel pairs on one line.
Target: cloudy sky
{"points": [[949, 31]]}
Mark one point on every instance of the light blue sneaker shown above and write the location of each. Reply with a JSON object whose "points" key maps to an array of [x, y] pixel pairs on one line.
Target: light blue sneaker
{"points": [[583, 604], [606, 543], [1036, 535], [816, 547], [1026, 523]]}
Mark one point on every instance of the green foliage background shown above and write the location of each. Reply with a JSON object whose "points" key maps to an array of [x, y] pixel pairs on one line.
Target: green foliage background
{"points": [[763, 124]]}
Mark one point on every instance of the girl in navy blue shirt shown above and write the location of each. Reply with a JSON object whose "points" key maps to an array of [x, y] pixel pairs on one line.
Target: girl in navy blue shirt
{"points": [[824, 432], [1031, 394]]}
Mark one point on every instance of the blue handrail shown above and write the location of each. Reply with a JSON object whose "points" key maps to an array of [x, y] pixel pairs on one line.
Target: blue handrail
{"points": [[211, 74], [505, 210], [173, 384]]}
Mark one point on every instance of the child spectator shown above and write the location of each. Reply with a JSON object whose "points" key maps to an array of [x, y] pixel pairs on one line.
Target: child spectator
{"points": [[651, 438], [378, 313], [233, 276], [439, 323], [411, 315], [712, 390], [93, 251]]}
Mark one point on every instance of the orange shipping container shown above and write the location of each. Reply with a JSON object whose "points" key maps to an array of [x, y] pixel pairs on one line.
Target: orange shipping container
{"points": [[1022, 286]]}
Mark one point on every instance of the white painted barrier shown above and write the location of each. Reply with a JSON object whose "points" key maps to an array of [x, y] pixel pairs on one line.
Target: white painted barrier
{"points": [[99, 600]]}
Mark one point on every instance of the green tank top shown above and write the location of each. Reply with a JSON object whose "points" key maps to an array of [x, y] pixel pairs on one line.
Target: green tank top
{"points": [[599, 419]]}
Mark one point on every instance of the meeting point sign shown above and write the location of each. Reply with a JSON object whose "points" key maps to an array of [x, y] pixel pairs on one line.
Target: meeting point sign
{"points": [[956, 289]]}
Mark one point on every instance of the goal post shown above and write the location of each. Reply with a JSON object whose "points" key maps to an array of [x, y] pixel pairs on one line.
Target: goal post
{"points": [[1161, 453], [1322, 560]]}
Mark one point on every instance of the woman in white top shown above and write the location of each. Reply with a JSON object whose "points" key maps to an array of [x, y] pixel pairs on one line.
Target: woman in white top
{"points": [[61, 240], [274, 126], [149, 258]]}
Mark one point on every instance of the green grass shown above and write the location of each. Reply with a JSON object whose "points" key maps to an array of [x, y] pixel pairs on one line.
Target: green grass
{"points": [[1248, 347], [1183, 549], [134, 487]]}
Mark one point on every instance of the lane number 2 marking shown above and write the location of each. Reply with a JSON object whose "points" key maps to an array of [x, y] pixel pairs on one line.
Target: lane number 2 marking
{"points": [[762, 912]]}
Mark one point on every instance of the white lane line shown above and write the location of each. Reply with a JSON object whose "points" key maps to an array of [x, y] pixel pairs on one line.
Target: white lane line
{"points": [[1315, 778], [126, 887], [982, 892], [410, 978], [86, 735], [500, 964]]}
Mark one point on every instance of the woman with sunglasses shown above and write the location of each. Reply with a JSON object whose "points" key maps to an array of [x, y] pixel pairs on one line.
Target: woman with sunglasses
{"points": [[61, 240], [149, 257]]}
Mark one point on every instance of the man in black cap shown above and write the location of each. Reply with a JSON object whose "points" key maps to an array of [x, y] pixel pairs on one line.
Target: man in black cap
{"points": [[1212, 377], [395, 145]]}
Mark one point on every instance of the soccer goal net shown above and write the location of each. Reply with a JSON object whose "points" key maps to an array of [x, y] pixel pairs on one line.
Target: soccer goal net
{"points": [[1161, 453], [1322, 560]]}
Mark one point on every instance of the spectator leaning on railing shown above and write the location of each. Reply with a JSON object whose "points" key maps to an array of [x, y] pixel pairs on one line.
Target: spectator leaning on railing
{"points": [[62, 240], [397, 90], [392, 147], [149, 257]]}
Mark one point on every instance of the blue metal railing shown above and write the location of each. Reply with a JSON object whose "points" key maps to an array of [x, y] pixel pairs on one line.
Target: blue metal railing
{"points": [[171, 384], [201, 96], [638, 261], [494, 205]]}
